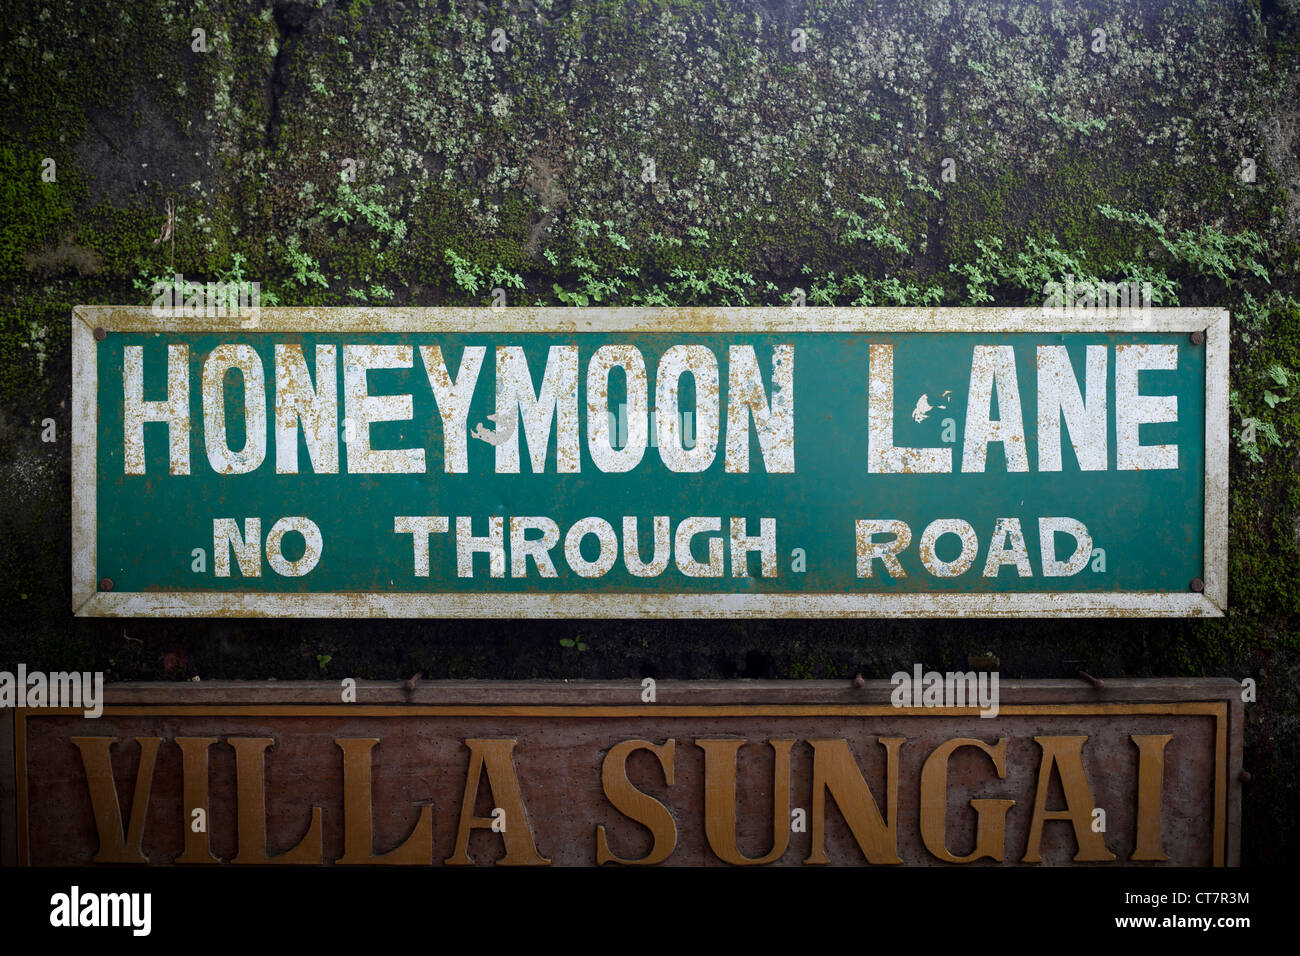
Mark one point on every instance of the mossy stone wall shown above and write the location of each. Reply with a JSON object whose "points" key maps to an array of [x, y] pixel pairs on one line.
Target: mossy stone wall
{"points": [[1149, 141]]}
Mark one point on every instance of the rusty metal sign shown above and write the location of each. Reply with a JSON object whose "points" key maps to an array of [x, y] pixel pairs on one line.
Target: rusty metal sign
{"points": [[650, 462], [535, 774]]}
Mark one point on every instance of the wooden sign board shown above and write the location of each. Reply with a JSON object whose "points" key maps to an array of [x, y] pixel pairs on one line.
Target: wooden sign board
{"points": [[625, 773]]}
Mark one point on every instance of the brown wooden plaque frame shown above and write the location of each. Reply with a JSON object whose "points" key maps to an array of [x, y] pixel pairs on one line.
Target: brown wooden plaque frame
{"points": [[620, 702]]}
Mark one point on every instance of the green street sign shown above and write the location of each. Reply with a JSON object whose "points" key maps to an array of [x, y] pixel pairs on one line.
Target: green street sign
{"points": [[802, 462]]}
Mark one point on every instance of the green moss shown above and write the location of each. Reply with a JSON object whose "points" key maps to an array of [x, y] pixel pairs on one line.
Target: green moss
{"points": [[34, 212]]}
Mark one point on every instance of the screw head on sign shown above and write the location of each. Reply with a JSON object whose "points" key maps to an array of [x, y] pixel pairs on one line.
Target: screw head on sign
{"points": [[106, 584], [1198, 338], [1197, 585], [100, 334]]}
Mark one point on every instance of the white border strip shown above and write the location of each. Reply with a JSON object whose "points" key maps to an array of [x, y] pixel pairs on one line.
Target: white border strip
{"points": [[89, 601], [1215, 539], [85, 445], [468, 320], [607, 605]]}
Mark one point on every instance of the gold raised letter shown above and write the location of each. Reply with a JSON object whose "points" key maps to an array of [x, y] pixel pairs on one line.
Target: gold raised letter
{"points": [[358, 819], [98, 764], [834, 769], [1066, 754], [1151, 781], [991, 815], [720, 799], [634, 804], [495, 756], [194, 777], [250, 796]]}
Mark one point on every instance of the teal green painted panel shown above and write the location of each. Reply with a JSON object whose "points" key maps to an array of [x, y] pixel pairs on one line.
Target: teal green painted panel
{"points": [[1146, 526]]}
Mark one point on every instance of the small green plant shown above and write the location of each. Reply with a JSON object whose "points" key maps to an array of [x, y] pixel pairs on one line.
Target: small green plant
{"points": [[1251, 430], [305, 268], [365, 204], [594, 287], [858, 227], [473, 278], [572, 642], [233, 281], [1208, 250], [584, 229], [503, 278], [466, 274], [865, 291], [1045, 261], [918, 184], [234, 276], [575, 299], [803, 670], [1283, 377], [983, 272], [1083, 127], [323, 660], [698, 237]]}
